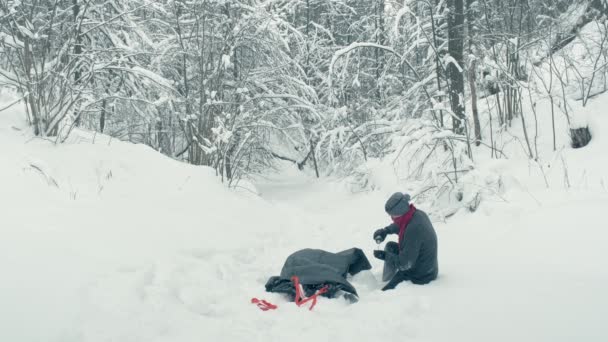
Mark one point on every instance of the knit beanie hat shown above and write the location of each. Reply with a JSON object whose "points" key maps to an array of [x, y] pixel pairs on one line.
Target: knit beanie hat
{"points": [[398, 204]]}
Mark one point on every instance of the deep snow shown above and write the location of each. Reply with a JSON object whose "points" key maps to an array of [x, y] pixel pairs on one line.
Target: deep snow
{"points": [[132, 246]]}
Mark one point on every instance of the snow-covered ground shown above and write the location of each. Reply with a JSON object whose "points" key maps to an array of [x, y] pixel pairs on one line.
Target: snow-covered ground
{"points": [[102, 240]]}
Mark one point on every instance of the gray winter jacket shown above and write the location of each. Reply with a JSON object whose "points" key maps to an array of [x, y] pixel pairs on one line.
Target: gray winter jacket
{"points": [[418, 252]]}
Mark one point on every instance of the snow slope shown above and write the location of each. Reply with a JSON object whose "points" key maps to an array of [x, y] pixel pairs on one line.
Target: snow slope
{"points": [[102, 240]]}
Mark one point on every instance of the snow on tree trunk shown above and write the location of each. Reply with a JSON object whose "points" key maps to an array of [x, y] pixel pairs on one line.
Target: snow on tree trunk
{"points": [[455, 74]]}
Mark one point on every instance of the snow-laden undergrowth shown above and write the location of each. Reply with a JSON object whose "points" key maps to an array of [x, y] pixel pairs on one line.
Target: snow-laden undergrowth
{"points": [[558, 93]]}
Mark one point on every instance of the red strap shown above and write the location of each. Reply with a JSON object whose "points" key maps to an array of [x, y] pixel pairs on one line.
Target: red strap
{"points": [[299, 300], [263, 304]]}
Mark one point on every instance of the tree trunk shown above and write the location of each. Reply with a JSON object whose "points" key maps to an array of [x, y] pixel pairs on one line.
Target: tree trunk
{"points": [[437, 64], [314, 158], [77, 53], [471, 73], [472, 68], [455, 49], [37, 119], [102, 116], [580, 137], [380, 39], [307, 61]]}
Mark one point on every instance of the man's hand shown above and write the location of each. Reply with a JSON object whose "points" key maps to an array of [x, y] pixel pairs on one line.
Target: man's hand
{"points": [[397, 278], [380, 235], [380, 255]]}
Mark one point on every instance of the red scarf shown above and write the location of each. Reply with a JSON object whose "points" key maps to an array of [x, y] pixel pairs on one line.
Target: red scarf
{"points": [[402, 221]]}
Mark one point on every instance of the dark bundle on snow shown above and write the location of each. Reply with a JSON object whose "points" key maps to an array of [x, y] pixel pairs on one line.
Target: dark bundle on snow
{"points": [[318, 268]]}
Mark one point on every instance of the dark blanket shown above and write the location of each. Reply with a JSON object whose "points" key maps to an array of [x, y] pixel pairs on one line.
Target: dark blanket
{"points": [[317, 268]]}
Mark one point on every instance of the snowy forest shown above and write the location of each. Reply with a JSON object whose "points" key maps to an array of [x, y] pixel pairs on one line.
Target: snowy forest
{"points": [[488, 113], [324, 84]]}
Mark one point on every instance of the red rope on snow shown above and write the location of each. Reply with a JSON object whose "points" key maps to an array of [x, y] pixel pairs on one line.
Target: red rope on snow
{"points": [[263, 304], [299, 296], [300, 299]]}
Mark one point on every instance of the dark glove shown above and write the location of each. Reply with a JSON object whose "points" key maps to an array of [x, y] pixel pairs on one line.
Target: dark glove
{"points": [[380, 235], [380, 255], [397, 278]]}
